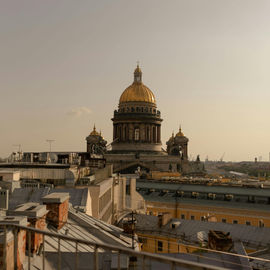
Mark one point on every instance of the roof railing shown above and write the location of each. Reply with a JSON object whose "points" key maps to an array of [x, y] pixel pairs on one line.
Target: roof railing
{"points": [[172, 263]]}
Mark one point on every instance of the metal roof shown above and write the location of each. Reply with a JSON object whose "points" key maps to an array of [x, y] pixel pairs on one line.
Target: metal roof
{"points": [[170, 198], [205, 189], [188, 229]]}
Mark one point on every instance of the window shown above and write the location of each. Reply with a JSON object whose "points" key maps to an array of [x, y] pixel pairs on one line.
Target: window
{"points": [[235, 222], [248, 223], [137, 134], [261, 223], [192, 217], [202, 218], [224, 220], [127, 189], [182, 216], [160, 246]]}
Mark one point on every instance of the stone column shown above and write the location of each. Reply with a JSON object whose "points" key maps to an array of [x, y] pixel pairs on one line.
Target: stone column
{"points": [[126, 135], [131, 132], [186, 151], [158, 134], [142, 133], [119, 132], [114, 132], [154, 134]]}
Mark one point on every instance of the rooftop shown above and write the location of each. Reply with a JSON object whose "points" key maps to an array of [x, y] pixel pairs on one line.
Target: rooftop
{"points": [[187, 230]]}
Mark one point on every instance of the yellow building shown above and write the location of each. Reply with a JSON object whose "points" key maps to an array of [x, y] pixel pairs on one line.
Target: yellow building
{"points": [[234, 205], [161, 234]]}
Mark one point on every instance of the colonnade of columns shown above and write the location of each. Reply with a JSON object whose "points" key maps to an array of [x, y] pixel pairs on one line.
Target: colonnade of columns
{"points": [[133, 132]]}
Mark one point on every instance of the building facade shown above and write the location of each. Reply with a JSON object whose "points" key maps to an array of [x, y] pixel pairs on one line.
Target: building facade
{"points": [[226, 204]]}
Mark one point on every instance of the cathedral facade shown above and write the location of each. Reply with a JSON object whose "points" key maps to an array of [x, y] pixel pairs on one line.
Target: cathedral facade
{"points": [[137, 135]]}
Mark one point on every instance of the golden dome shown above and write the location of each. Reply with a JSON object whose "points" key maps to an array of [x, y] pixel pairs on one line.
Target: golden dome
{"points": [[180, 133], [94, 132], [137, 91]]}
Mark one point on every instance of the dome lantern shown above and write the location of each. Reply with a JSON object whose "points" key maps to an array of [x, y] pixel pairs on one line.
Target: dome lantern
{"points": [[137, 75], [137, 91]]}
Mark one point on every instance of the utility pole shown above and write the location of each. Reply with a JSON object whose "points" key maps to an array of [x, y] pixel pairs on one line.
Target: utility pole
{"points": [[133, 259], [50, 144]]}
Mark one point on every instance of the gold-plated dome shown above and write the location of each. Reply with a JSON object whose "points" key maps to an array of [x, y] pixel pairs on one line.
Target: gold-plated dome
{"points": [[94, 132], [137, 91], [180, 133]]}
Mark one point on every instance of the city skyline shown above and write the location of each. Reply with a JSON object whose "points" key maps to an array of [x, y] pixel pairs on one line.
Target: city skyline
{"points": [[65, 65]]}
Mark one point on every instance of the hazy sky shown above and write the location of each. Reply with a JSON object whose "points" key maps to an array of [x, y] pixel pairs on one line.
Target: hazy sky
{"points": [[65, 63]]}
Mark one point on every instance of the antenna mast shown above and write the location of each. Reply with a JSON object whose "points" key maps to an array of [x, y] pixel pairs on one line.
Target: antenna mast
{"points": [[50, 144]]}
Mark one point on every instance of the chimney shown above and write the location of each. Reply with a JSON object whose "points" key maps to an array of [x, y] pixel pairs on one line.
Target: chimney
{"points": [[36, 216], [57, 205], [7, 251], [4, 195], [163, 219]]}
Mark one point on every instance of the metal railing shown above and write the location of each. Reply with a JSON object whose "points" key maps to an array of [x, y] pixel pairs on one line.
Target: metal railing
{"points": [[172, 263]]}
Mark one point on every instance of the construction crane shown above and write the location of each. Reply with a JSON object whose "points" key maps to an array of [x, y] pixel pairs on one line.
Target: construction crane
{"points": [[221, 159]]}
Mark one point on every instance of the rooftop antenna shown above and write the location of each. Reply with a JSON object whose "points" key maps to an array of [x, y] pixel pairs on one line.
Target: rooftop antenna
{"points": [[138, 63], [50, 144], [19, 147]]}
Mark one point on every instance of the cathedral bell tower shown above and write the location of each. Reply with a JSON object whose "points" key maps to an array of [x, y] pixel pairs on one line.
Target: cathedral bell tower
{"points": [[137, 122]]}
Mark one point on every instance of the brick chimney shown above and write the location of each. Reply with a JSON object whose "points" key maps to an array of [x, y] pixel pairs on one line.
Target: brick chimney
{"points": [[7, 257], [36, 216], [163, 219], [57, 205]]}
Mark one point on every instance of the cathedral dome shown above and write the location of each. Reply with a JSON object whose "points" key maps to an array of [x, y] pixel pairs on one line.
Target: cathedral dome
{"points": [[94, 132], [137, 92]]}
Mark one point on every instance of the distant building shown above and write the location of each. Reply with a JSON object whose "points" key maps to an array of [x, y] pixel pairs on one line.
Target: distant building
{"points": [[136, 141], [221, 203]]}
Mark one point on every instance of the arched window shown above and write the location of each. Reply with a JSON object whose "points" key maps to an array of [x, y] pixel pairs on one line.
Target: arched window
{"points": [[137, 134]]}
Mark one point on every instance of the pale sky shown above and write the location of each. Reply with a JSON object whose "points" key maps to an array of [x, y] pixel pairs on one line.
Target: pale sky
{"points": [[65, 63]]}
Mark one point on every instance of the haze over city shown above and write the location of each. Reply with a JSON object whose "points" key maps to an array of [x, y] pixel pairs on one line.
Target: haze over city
{"points": [[64, 65]]}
